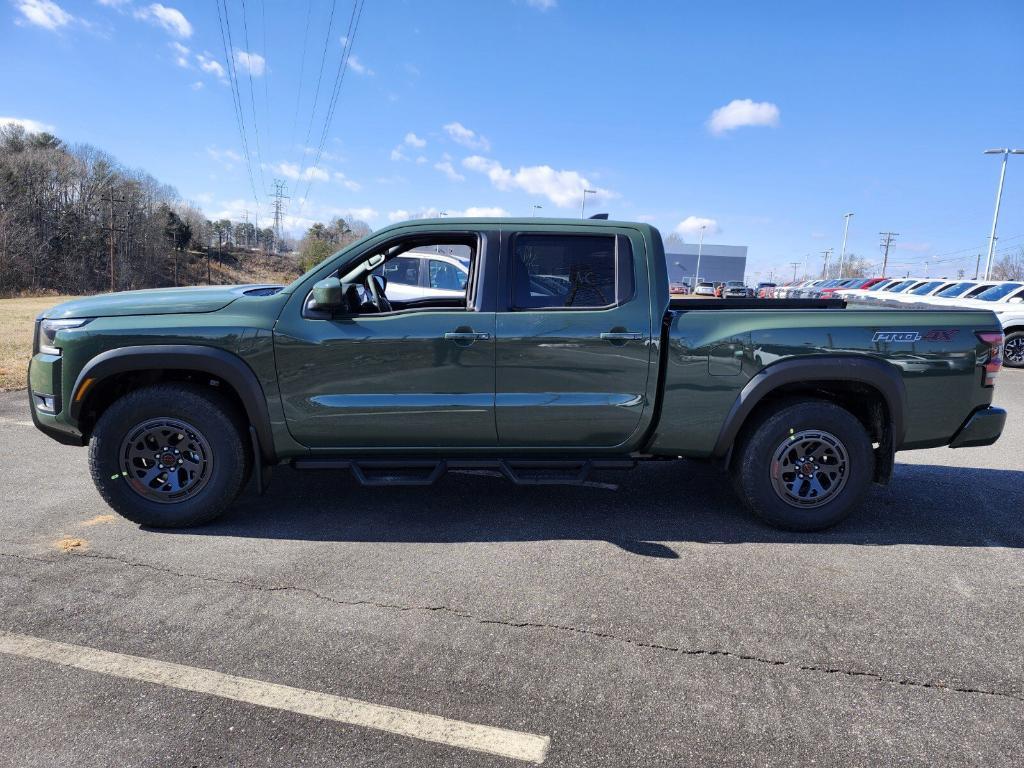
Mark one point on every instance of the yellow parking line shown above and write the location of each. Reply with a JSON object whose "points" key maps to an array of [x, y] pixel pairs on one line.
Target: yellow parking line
{"points": [[404, 722]]}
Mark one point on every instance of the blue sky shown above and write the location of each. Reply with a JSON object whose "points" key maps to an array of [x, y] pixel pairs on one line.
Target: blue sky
{"points": [[768, 121]]}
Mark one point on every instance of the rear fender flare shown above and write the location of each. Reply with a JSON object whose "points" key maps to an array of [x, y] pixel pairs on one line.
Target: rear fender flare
{"points": [[875, 373], [218, 363]]}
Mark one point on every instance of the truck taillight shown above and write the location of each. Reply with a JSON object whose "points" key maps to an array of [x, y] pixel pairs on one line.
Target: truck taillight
{"points": [[992, 359]]}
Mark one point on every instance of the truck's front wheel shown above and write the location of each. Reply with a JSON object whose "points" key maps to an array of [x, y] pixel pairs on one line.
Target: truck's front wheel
{"points": [[804, 466], [168, 456]]}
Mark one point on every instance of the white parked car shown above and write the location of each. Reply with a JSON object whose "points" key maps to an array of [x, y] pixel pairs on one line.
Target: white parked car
{"points": [[424, 275]]}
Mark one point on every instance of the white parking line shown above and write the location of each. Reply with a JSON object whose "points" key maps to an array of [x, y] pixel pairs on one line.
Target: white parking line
{"points": [[404, 722]]}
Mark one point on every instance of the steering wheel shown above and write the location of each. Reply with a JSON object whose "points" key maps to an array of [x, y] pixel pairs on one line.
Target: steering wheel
{"points": [[380, 300]]}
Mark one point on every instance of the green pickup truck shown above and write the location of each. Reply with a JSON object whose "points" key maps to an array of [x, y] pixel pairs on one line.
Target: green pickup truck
{"points": [[564, 355]]}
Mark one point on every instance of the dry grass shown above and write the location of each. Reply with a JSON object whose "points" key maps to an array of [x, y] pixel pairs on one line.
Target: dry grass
{"points": [[17, 319], [17, 316]]}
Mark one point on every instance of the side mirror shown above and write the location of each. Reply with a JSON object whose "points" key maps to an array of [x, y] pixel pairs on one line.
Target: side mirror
{"points": [[327, 293]]}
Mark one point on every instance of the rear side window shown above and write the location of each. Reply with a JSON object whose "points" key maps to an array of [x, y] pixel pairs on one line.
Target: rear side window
{"points": [[570, 271]]}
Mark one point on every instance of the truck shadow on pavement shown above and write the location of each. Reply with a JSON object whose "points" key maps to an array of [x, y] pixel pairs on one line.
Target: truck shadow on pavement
{"points": [[656, 506]]}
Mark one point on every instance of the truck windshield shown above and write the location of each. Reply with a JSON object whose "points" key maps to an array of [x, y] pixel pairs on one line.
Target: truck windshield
{"points": [[997, 292]]}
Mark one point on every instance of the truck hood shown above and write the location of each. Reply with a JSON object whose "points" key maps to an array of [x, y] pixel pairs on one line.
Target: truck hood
{"points": [[158, 301]]}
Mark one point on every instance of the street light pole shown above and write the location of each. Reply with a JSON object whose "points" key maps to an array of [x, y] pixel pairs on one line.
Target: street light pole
{"points": [[842, 254], [584, 205], [535, 208], [1006, 152], [700, 248]]}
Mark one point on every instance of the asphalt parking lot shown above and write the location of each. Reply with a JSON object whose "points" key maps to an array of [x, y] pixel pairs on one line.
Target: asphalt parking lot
{"points": [[655, 625]]}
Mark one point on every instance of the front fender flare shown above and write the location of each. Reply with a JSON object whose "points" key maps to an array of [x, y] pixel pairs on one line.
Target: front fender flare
{"points": [[218, 363], [864, 370]]}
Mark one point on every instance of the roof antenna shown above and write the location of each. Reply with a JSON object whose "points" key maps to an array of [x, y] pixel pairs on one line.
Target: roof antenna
{"points": [[600, 216]]}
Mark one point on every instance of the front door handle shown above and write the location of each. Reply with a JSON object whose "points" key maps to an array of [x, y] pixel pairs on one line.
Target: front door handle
{"points": [[466, 336], [623, 335]]}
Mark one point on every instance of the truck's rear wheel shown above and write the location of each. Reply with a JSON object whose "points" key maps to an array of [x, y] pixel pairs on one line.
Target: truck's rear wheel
{"points": [[804, 466], [169, 456]]}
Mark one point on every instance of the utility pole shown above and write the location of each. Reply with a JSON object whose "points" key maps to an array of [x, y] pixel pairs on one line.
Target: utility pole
{"points": [[700, 249], [999, 198], [887, 238], [977, 266], [794, 265], [824, 269], [279, 196], [842, 253], [111, 229]]}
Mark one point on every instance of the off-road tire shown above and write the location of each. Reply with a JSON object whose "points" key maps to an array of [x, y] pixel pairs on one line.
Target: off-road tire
{"points": [[215, 427], [841, 477], [1013, 346]]}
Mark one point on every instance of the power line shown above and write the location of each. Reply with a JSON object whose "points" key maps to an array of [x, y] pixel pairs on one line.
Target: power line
{"points": [[302, 73], [319, 77], [236, 101], [252, 95], [339, 78]]}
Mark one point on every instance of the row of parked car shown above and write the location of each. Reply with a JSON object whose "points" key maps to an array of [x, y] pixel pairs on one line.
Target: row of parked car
{"points": [[1004, 297], [730, 289]]}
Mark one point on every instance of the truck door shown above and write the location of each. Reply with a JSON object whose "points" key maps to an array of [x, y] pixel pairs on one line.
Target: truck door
{"points": [[574, 333], [418, 374]]}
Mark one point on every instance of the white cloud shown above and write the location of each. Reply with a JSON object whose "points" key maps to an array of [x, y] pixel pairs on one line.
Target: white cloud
{"points": [[446, 167], [563, 188], [460, 134], [252, 63], [171, 19], [358, 67], [293, 171], [396, 154], [415, 141], [212, 66], [226, 157], [740, 112], [421, 160], [197, 85], [181, 53], [30, 126], [473, 212], [346, 182], [43, 13], [542, 5], [364, 214], [691, 225]]}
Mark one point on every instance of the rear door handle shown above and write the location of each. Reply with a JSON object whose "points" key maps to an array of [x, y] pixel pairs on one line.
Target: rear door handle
{"points": [[623, 335], [466, 336]]}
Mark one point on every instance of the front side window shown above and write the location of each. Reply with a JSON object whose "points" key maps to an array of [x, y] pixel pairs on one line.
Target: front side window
{"points": [[565, 271]]}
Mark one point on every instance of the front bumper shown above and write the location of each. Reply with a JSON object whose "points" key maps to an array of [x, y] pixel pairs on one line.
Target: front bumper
{"points": [[983, 427], [44, 378]]}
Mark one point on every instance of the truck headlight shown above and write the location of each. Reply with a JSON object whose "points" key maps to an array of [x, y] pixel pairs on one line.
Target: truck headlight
{"points": [[48, 333]]}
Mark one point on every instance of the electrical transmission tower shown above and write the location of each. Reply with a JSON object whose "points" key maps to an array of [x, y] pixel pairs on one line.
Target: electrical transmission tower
{"points": [[887, 238], [279, 197]]}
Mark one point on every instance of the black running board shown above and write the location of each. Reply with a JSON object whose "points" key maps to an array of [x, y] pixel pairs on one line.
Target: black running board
{"points": [[380, 472]]}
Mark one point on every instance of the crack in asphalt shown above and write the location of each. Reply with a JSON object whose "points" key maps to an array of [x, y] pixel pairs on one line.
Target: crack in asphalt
{"points": [[708, 652]]}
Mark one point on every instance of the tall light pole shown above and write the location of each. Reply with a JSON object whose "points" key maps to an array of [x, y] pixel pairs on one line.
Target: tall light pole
{"points": [[700, 248], [842, 253], [584, 204], [999, 198], [536, 208]]}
